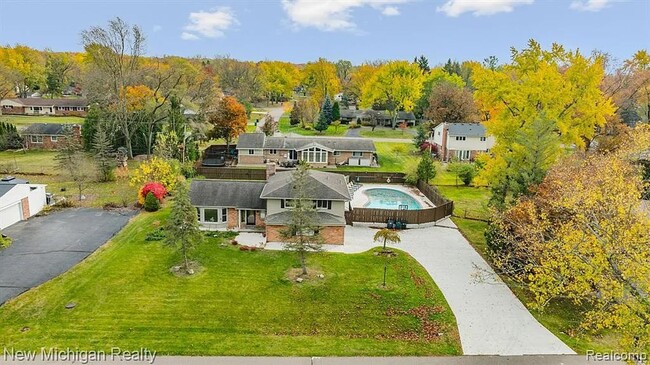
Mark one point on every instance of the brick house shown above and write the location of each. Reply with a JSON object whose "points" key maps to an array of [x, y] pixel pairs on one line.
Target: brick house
{"points": [[266, 205], [257, 149], [48, 135], [463, 141], [41, 106]]}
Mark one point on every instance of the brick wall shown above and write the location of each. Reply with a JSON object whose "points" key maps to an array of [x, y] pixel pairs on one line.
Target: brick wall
{"points": [[16, 110], [25, 203], [259, 222], [332, 235], [250, 160], [233, 218]]}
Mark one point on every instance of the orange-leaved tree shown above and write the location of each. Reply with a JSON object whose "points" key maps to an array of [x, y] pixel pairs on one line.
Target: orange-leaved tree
{"points": [[228, 119]]}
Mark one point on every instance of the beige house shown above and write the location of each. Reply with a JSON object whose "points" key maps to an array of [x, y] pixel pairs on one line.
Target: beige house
{"points": [[44, 106], [256, 149], [266, 205]]}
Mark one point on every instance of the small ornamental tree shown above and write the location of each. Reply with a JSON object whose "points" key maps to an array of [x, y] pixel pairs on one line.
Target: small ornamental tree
{"points": [[294, 115], [270, 125], [466, 173], [182, 226], [386, 236], [155, 169], [155, 188], [151, 203], [420, 136]]}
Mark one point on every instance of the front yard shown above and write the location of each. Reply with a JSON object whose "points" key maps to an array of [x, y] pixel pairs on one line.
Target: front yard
{"points": [[23, 121], [240, 303], [285, 127]]}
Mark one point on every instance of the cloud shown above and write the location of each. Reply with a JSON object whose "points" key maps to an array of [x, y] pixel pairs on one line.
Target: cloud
{"points": [[390, 11], [157, 28], [455, 8], [333, 15], [210, 24], [590, 5], [189, 36]]}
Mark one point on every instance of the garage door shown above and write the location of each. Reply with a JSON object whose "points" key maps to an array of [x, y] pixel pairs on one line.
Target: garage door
{"points": [[10, 215]]}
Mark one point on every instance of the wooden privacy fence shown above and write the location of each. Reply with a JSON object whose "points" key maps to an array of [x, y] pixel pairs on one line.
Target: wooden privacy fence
{"points": [[231, 173], [428, 215]]}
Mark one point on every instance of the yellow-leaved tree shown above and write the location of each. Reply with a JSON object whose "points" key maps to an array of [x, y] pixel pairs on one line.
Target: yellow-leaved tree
{"points": [[551, 94], [156, 169], [279, 79], [321, 80]]}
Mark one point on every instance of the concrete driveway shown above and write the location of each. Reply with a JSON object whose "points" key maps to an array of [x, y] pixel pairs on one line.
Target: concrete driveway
{"points": [[45, 247], [491, 320]]}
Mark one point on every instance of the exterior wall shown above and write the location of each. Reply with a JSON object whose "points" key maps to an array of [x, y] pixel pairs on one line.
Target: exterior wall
{"points": [[244, 158], [333, 235], [273, 206], [71, 111], [30, 197], [470, 143], [338, 207], [44, 110], [233, 218], [48, 143], [37, 199], [279, 156]]}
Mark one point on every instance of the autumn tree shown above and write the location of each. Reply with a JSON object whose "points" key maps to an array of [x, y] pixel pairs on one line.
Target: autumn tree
{"points": [[24, 67], [321, 79], [182, 228], [57, 70], [270, 125], [279, 79], [397, 85], [517, 97], [344, 72], [582, 237], [449, 103], [241, 79], [228, 119], [360, 76], [434, 79], [301, 233]]}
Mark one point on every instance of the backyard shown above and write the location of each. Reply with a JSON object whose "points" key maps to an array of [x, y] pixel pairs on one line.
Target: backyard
{"points": [[386, 132], [239, 303], [23, 121], [285, 127]]}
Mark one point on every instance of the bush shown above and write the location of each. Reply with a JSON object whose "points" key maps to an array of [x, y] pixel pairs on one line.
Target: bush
{"points": [[156, 188], [354, 125], [188, 170], [309, 127], [151, 203], [399, 148], [426, 147], [156, 235], [466, 173], [411, 171], [4, 241]]}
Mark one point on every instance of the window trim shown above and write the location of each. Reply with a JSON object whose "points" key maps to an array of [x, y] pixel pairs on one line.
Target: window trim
{"points": [[35, 139], [54, 138]]}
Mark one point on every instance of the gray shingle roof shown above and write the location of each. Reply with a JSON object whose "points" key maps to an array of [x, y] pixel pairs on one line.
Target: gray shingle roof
{"points": [[50, 102], [259, 140], [321, 185], [466, 129], [47, 129], [10, 180], [227, 193], [4, 188], [405, 116], [321, 219]]}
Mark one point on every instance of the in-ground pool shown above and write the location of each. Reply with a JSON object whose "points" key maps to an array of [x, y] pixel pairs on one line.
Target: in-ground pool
{"points": [[382, 198]]}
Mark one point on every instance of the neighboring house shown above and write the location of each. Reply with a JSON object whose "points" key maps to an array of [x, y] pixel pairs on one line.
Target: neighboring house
{"points": [[19, 200], [383, 118], [257, 205], [256, 149], [44, 106], [48, 135], [461, 140]]}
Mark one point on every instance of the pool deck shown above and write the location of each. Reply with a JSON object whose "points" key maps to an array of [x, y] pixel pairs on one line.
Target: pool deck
{"points": [[360, 199]]}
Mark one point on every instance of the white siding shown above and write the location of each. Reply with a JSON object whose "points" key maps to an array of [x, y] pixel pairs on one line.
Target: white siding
{"points": [[35, 193], [470, 143], [10, 215], [438, 133]]}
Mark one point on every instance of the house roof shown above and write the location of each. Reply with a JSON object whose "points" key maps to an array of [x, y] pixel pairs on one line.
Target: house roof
{"points": [[4, 188], [50, 102], [321, 185], [227, 193], [321, 218], [260, 140], [10, 180], [405, 115], [466, 129], [46, 128]]}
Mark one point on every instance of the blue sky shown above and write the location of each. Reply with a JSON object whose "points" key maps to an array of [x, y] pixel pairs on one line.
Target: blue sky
{"points": [[357, 30]]}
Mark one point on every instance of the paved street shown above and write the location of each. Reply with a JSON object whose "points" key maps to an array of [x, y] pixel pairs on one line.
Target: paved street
{"points": [[45, 247]]}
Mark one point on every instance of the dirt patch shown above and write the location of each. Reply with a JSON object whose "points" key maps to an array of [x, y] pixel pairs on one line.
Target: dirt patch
{"points": [[430, 330], [179, 271], [313, 275]]}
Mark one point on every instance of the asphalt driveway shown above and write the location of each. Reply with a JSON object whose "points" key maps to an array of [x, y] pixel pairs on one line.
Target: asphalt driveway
{"points": [[45, 247]]}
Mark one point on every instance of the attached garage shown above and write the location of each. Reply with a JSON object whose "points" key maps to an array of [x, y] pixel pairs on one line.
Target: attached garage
{"points": [[19, 200], [10, 215]]}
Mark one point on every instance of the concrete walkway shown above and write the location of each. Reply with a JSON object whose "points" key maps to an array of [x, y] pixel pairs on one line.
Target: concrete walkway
{"points": [[491, 320]]}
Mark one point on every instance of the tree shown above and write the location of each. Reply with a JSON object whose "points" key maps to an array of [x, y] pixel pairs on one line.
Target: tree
{"points": [[322, 124], [182, 226], [228, 119], [279, 79], [57, 68], [336, 111], [320, 79], [239, 79], [70, 158], [423, 64], [155, 169], [336, 124], [466, 172], [25, 67], [433, 78], [270, 125], [449, 103], [295, 114], [92, 122], [9, 137], [301, 234], [360, 76], [518, 103], [426, 170], [151, 203], [397, 85], [104, 155], [327, 110], [344, 72], [386, 235], [421, 136], [582, 237]]}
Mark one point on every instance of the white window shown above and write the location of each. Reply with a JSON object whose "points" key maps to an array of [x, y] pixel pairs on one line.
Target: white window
{"points": [[37, 139], [314, 155], [287, 203], [323, 204], [251, 152], [214, 215], [337, 153], [54, 138], [463, 155], [273, 152], [357, 154], [483, 139], [459, 138]]}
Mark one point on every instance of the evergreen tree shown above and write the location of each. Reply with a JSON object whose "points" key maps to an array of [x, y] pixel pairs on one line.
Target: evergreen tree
{"points": [[301, 233], [104, 155], [336, 111], [294, 115], [321, 125], [90, 126], [151, 203], [426, 170], [327, 111], [420, 136], [182, 226], [423, 64], [9, 137]]}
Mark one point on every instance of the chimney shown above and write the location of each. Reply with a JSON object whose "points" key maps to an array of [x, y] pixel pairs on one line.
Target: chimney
{"points": [[76, 131], [270, 169]]}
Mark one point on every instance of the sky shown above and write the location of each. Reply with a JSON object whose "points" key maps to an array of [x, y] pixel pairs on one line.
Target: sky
{"points": [[357, 30]]}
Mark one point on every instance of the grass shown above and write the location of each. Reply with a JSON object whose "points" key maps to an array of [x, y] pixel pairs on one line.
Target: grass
{"points": [[285, 127], [22, 121], [240, 303], [384, 132], [393, 157], [40, 167]]}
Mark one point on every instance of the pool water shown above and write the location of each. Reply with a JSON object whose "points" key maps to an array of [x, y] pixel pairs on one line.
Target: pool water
{"points": [[381, 198]]}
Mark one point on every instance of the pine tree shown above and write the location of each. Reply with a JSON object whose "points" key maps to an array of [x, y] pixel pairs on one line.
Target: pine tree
{"points": [[426, 170], [182, 226], [90, 126], [301, 234], [321, 125], [420, 136], [336, 111], [327, 110], [294, 115], [104, 155]]}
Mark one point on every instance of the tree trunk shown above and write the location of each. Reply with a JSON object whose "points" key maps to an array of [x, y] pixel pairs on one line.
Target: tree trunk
{"points": [[187, 265], [384, 244], [303, 263], [385, 269]]}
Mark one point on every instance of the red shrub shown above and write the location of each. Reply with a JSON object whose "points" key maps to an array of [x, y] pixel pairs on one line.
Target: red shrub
{"points": [[156, 188], [426, 145]]}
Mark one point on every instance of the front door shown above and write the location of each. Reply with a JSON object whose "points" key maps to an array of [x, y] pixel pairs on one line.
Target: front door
{"points": [[247, 217], [293, 155]]}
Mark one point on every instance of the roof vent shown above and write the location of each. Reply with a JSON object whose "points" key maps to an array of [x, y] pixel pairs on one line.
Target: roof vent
{"points": [[8, 178]]}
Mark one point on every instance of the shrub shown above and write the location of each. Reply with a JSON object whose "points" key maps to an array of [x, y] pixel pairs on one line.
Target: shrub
{"points": [[411, 171], [309, 127], [151, 203], [188, 170], [466, 172], [427, 146], [4, 241], [156, 169], [354, 125], [156, 235], [156, 188], [399, 148]]}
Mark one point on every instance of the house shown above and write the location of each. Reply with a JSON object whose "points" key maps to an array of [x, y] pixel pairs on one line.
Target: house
{"points": [[19, 200], [256, 149], [463, 141], [405, 117], [383, 117], [266, 205], [48, 135], [44, 106]]}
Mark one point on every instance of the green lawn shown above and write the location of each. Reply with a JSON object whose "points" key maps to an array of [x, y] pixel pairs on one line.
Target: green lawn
{"points": [[240, 303], [385, 132], [22, 121], [40, 167], [285, 127], [393, 157]]}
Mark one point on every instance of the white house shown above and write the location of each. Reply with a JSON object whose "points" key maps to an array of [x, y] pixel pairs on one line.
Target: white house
{"points": [[461, 140], [19, 200]]}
